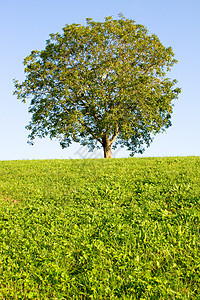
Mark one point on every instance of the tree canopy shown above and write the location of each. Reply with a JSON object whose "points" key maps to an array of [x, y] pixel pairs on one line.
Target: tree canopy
{"points": [[102, 84]]}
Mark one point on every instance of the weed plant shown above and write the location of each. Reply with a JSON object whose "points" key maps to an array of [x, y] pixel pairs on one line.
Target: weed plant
{"points": [[100, 229]]}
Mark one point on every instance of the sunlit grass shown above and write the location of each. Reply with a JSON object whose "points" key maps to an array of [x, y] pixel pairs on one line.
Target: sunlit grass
{"points": [[100, 229]]}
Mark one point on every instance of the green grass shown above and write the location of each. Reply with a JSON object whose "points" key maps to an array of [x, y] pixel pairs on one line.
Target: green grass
{"points": [[100, 229]]}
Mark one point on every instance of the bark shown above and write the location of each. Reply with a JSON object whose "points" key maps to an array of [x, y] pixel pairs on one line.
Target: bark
{"points": [[107, 151]]}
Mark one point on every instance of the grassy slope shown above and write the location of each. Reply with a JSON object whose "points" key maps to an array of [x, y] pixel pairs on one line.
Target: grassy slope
{"points": [[100, 229]]}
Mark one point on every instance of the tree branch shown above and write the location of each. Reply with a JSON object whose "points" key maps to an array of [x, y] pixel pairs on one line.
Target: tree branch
{"points": [[88, 129], [116, 133]]}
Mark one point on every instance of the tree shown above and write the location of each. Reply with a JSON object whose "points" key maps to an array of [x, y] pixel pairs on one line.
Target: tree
{"points": [[100, 84]]}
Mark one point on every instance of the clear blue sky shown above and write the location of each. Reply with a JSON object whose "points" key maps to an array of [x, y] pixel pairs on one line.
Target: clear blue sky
{"points": [[25, 26]]}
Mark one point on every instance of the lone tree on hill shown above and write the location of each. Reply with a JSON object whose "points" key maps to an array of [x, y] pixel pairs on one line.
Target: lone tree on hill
{"points": [[100, 84]]}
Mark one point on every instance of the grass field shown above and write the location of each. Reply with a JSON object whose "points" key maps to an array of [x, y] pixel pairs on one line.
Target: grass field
{"points": [[100, 229]]}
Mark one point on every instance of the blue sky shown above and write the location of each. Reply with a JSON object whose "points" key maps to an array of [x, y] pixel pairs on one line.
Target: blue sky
{"points": [[25, 26]]}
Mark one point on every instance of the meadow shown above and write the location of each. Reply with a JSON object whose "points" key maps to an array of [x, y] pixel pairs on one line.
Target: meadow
{"points": [[100, 229]]}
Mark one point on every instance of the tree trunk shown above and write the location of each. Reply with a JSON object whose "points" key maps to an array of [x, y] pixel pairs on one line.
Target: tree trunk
{"points": [[107, 151]]}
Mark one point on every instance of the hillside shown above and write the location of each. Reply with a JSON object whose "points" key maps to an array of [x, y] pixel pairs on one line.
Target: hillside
{"points": [[100, 229]]}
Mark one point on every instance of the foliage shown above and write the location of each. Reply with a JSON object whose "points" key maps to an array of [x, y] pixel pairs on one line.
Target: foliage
{"points": [[100, 84], [100, 229]]}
